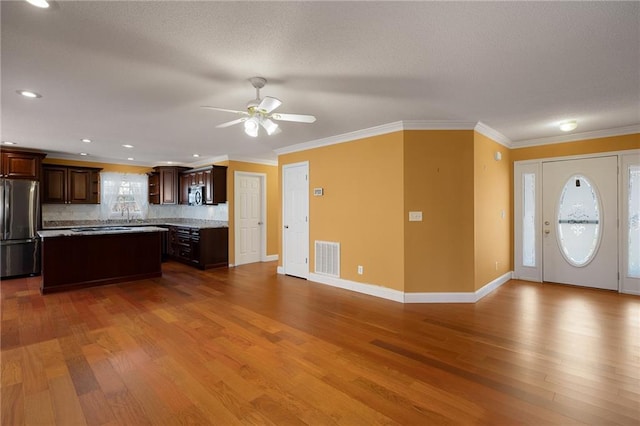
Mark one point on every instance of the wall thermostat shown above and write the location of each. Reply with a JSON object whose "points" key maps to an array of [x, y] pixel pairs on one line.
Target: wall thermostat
{"points": [[318, 192]]}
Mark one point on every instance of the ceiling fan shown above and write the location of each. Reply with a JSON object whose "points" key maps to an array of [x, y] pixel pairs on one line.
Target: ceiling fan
{"points": [[260, 113]]}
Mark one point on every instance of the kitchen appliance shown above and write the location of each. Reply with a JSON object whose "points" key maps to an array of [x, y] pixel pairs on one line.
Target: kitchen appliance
{"points": [[195, 195], [19, 216]]}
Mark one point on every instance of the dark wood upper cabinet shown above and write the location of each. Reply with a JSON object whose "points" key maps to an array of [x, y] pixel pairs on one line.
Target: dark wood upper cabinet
{"points": [[164, 185], [70, 185], [219, 185], [20, 164], [213, 179]]}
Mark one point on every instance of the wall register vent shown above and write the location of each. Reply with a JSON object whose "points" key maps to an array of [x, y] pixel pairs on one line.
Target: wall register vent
{"points": [[328, 258]]}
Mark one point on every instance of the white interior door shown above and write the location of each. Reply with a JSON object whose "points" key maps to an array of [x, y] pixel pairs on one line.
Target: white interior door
{"points": [[580, 215], [295, 216], [249, 218]]}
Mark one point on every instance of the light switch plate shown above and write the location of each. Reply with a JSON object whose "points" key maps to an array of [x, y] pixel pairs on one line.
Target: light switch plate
{"points": [[415, 216], [318, 192]]}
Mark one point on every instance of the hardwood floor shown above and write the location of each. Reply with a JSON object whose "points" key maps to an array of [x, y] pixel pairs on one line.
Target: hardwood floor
{"points": [[246, 345]]}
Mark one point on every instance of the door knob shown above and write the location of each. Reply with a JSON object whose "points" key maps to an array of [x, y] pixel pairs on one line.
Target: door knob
{"points": [[286, 227], [259, 223]]}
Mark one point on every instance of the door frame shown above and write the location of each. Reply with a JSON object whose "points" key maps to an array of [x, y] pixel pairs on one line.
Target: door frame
{"points": [[527, 166], [263, 213], [282, 269]]}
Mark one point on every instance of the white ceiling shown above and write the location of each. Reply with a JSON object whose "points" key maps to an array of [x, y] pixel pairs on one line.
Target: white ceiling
{"points": [[138, 72]]}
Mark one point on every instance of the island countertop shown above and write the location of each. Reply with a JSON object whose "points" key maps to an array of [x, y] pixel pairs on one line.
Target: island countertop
{"points": [[82, 231]]}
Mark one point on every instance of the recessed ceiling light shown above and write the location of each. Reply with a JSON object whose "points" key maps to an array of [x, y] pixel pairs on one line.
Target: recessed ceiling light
{"points": [[86, 140], [196, 155], [28, 94], [130, 158], [84, 154], [8, 143], [569, 125], [39, 3], [128, 146]]}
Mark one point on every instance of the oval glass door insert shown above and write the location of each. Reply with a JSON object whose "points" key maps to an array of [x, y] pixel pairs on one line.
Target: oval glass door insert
{"points": [[579, 229]]}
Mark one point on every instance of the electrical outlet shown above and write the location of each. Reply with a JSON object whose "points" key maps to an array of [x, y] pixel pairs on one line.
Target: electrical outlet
{"points": [[415, 216], [360, 270]]}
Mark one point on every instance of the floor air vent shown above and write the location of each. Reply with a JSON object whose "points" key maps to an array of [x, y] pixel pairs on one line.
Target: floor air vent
{"points": [[328, 258]]}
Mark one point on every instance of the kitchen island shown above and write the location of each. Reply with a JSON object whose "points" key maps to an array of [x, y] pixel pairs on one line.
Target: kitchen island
{"points": [[84, 257]]}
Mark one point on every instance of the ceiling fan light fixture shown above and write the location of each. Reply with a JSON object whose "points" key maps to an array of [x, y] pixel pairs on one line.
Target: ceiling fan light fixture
{"points": [[269, 126], [43, 4], [251, 127], [568, 125]]}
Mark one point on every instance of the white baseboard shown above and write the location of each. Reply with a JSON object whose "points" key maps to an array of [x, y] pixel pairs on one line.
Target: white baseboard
{"points": [[399, 296], [371, 290], [466, 297], [270, 258]]}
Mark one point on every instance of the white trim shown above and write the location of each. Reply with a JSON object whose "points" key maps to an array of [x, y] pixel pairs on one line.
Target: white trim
{"points": [[345, 137], [270, 258], [280, 270], [466, 297], [383, 129], [252, 160], [437, 125], [263, 211], [619, 131], [399, 296], [493, 134], [370, 289]]}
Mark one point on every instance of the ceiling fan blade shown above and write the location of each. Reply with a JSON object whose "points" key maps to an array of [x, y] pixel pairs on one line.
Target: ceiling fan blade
{"points": [[224, 109], [300, 118], [231, 123], [268, 104]]}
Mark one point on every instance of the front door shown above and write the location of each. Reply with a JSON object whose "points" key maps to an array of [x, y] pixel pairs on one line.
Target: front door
{"points": [[295, 216], [580, 215], [249, 218]]}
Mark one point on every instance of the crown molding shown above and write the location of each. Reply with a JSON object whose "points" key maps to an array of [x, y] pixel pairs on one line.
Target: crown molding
{"points": [[493, 134], [383, 129], [93, 159], [597, 134], [345, 137], [253, 160]]}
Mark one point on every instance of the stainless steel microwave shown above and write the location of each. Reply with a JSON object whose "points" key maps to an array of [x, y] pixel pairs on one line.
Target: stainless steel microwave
{"points": [[195, 195]]}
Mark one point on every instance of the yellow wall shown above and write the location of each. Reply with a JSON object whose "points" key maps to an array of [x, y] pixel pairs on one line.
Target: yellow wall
{"points": [[272, 202], [362, 207], [591, 146], [106, 167], [492, 199], [438, 180]]}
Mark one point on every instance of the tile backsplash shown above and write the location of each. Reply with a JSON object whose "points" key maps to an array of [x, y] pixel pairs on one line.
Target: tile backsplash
{"points": [[62, 212]]}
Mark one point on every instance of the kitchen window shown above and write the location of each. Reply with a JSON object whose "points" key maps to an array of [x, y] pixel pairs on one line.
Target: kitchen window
{"points": [[124, 196]]}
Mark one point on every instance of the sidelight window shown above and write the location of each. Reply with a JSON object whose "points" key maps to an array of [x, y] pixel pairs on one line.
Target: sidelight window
{"points": [[634, 223]]}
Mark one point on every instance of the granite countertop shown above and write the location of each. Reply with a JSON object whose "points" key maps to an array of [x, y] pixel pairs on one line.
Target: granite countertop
{"points": [[81, 231], [189, 223]]}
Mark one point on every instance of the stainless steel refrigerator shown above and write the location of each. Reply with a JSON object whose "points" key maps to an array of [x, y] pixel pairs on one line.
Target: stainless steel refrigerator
{"points": [[19, 244]]}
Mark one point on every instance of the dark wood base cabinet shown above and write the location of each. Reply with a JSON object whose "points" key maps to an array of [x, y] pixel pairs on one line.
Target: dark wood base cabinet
{"points": [[70, 262], [203, 248]]}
